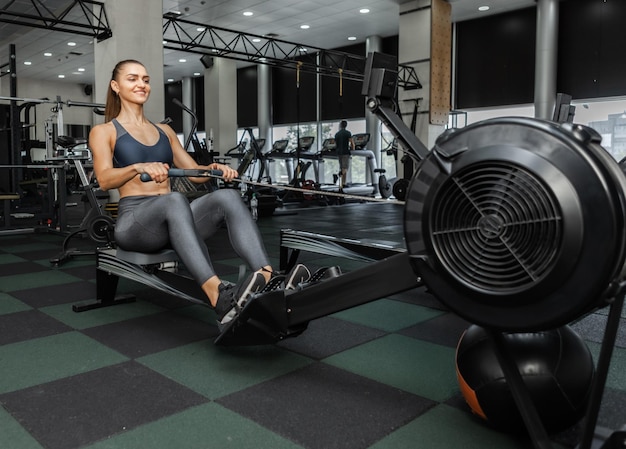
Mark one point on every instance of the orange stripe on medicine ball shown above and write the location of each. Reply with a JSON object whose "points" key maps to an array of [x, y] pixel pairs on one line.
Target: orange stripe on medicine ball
{"points": [[470, 396]]}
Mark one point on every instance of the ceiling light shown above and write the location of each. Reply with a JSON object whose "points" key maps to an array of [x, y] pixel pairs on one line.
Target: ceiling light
{"points": [[47, 54], [200, 29], [248, 13], [364, 10], [80, 69], [352, 38], [27, 63], [61, 76], [164, 42], [483, 8], [72, 44], [182, 60], [305, 27], [302, 50], [196, 73], [169, 80], [256, 39]]}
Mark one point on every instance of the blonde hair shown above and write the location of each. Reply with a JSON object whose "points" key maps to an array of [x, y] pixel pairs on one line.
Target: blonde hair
{"points": [[113, 105]]}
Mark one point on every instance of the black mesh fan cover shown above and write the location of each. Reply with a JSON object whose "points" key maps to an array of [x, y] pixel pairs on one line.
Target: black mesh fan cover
{"points": [[517, 224]]}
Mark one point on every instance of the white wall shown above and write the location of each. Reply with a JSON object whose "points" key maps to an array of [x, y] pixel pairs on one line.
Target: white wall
{"points": [[35, 89]]}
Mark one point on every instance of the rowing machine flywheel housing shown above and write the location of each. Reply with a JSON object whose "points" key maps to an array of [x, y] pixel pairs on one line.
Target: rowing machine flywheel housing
{"points": [[518, 224]]}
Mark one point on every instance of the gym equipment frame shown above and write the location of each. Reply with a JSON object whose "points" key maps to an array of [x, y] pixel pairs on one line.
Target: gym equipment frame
{"points": [[500, 225]]}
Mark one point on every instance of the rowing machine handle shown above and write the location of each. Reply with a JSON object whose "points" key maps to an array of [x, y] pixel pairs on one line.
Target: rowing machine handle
{"points": [[180, 172]]}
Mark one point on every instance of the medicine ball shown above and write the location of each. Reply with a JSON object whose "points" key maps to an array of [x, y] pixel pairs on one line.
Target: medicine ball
{"points": [[556, 366], [518, 224]]}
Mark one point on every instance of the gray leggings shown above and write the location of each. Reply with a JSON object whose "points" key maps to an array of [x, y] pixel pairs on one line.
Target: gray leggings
{"points": [[150, 223]]}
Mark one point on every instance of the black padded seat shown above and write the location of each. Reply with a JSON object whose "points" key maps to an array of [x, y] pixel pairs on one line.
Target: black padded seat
{"points": [[164, 255]]}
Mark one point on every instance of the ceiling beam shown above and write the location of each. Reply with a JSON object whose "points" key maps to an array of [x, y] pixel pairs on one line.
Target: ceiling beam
{"points": [[94, 21], [185, 35]]}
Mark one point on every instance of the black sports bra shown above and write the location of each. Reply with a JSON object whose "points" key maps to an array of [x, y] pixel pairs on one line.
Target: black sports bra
{"points": [[128, 150]]}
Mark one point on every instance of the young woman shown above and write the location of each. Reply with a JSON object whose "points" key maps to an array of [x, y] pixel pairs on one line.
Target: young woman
{"points": [[150, 215]]}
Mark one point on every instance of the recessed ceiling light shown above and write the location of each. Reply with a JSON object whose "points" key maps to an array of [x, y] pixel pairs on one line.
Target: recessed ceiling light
{"points": [[72, 44], [483, 8], [196, 73], [302, 50], [182, 60], [305, 27], [256, 39], [76, 73], [80, 69], [47, 54], [27, 63], [248, 13], [61, 76], [169, 80], [200, 29], [352, 38], [364, 10]]}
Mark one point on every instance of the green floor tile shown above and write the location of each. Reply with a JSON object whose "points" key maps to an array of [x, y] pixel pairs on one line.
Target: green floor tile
{"points": [[10, 258], [208, 426], [444, 427], [9, 304], [387, 315], [33, 280], [616, 378], [12, 435], [215, 371], [33, 245], [40, 360], [98, 317], [419, 367]]}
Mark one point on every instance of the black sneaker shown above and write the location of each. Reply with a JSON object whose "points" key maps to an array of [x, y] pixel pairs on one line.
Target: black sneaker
{"points": [[298, 275], [237, 296]]}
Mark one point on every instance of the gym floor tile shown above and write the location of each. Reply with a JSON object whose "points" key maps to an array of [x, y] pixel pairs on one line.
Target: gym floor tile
{"points": [[68, 413], [293, 394], [616, 378], [103, 316], [30, 249], [387, 315], [335, 409], [30, 280], [445, 329], [27, 325], [152, 333], [419, 296], [215, 371], [612, 414], [40, 360], [86, 272], [62, 293], [6, 259], [422, 368], [13, 269], [443, 427], [593, 325], [327, 336], [206, 426], [12, 435], [10, 304]]}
